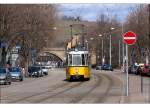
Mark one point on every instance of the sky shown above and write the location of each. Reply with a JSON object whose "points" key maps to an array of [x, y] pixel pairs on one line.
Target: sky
{"points": [[90, 11]]}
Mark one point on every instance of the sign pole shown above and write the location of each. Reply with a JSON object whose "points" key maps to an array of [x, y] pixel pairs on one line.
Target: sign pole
{"points": [[130, 39], [127, 77]]}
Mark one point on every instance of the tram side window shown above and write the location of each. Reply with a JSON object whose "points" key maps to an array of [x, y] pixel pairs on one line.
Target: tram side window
{"points": [[70, 60], [83, 59], [86, 59]]}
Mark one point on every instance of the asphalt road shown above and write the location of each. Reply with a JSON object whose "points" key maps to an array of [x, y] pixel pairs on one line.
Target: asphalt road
{"points": [[103, 87]]}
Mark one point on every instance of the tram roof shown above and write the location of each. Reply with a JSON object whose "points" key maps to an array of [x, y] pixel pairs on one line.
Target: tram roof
{"points": [[78, 52]]}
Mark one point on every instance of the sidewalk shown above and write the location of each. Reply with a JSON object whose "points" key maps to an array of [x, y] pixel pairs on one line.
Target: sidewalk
{"points": [[133, 99], [135, 95]]}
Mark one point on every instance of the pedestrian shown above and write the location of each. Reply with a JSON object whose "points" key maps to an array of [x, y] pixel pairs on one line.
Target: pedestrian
{"points": [[23, 71]]}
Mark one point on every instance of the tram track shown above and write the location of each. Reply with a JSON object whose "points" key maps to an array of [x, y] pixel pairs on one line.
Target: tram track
{"points": [[36, 94], [100, 89], [58, 93], [104, 95], [17, 83], [80, 97], [108, 93]]}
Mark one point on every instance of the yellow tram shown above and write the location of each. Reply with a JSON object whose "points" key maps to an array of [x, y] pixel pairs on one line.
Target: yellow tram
{"points": [[78, 65]]}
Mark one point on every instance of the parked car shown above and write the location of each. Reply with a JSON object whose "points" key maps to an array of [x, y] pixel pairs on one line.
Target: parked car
{"points": [[16, 73], [145, 70], [5, 76], [148, 71], [134, 69], [35, 71], [107, 67], [98, 67], [45, 70]]}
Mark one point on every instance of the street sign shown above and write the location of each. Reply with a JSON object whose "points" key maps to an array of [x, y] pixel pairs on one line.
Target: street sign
{"points": [[129, 38]]}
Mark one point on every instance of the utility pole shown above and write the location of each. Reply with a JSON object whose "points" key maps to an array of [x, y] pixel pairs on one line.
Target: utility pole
{"points": [[149, 50], [122, 50], [110, 50], [83, 35], [71, 35], [102, 51], [119, 53]]}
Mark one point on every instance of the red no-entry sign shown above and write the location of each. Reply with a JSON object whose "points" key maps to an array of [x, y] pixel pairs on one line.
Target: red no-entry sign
{"points": [[129, 38]]}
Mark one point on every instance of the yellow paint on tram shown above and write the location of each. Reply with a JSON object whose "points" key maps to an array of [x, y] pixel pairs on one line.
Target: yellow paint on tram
{"points": [[78, 72]]}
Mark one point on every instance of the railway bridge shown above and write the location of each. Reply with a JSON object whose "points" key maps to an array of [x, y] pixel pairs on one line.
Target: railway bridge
{"points": [[58, 54]]}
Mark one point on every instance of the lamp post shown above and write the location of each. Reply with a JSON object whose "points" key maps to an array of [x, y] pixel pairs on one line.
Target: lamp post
{"points": [[119, 53], [110, 44], [100, 35]]}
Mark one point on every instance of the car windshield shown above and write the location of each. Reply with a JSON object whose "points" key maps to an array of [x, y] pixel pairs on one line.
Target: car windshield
{"points": [[146, 67], [33, 69], [14, 70], [43, 68], [2, 71], [105, 65]]}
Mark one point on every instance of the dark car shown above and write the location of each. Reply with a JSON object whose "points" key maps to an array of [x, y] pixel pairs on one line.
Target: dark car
{"points": [[134, 69], [35, 71], [107, 67], [5, 76], [148, 71], [16, 73]]}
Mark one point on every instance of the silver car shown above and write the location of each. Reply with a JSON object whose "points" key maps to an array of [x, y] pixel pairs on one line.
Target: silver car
{"points": [[5, 76], [16, 73], [45, 70]]}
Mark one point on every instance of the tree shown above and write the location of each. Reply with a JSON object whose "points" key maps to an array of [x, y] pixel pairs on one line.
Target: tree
{"points": [[31, 26], [138, 22], [104, 25]]}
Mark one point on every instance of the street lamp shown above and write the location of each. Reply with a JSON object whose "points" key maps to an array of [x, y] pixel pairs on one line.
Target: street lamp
{"points": [[112, 28], [91, 38], [54, 28], [110, 44], [100, 35]]}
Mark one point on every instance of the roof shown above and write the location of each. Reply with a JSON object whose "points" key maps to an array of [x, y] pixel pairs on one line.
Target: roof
{"points": [[78, 52]]}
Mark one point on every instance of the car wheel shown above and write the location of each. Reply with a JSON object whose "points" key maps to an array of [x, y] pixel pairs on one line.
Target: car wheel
{"points": [[41, 75], [8, 83], [21, 79]]}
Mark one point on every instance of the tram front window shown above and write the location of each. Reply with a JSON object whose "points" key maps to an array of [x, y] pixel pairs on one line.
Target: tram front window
{"points": [[77, 60]]}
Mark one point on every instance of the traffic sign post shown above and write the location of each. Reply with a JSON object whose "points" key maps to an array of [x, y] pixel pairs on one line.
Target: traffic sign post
{"points": [[129, 38]]}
